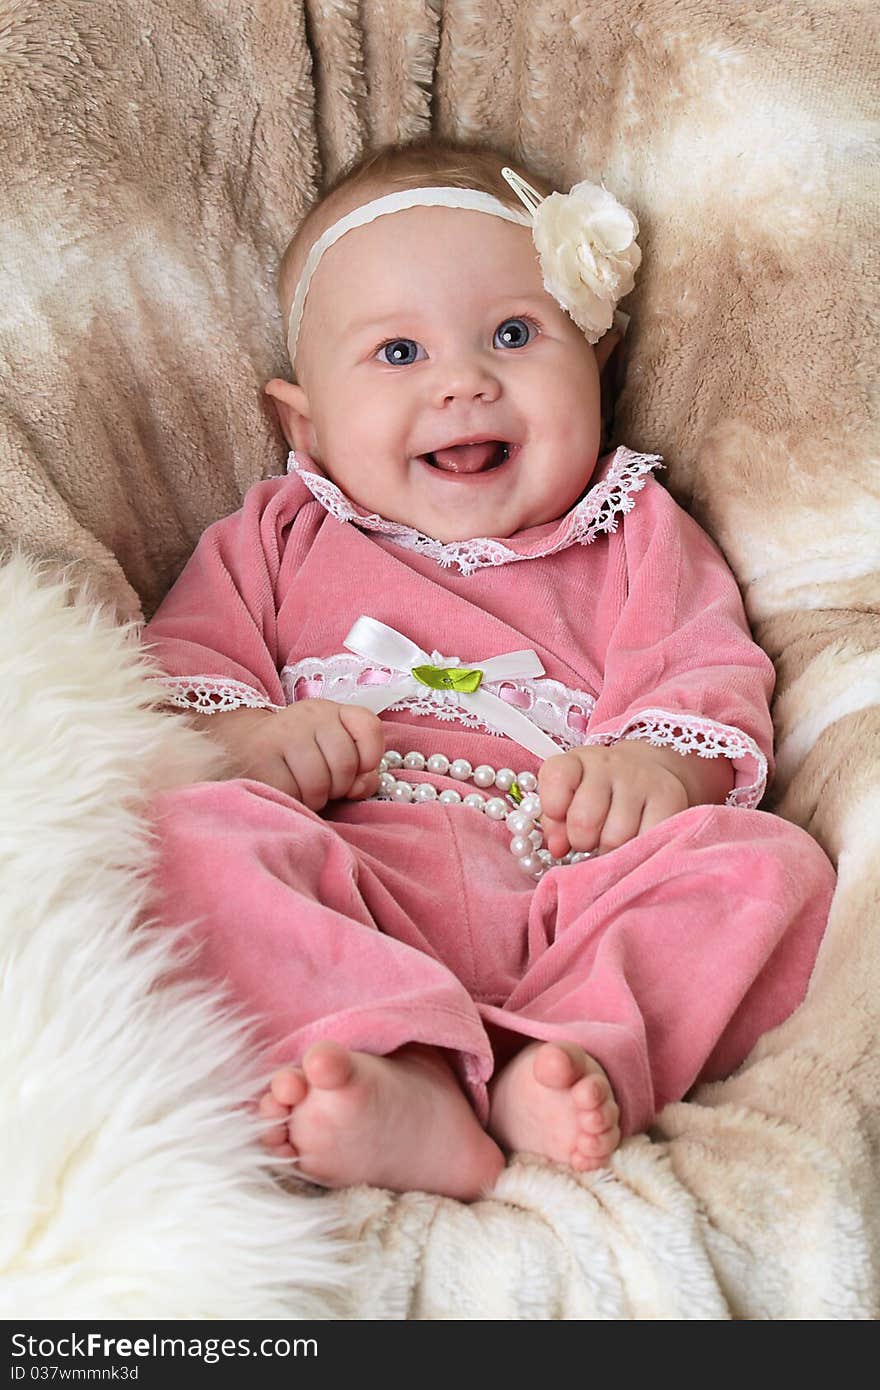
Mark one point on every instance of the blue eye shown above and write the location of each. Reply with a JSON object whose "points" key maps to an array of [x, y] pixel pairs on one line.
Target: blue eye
{"points": [[401, 351], [513, 333]]}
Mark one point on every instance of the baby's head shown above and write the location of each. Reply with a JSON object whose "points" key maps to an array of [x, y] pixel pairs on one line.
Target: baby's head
{"points": [[438, 383]]}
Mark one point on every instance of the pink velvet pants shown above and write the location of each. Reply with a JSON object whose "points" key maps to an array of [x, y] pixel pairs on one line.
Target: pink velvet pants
{"points": [[378, 924]]}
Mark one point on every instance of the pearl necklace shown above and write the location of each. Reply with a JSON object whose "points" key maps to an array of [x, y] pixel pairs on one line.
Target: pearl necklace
{"points": [[520, 810]]}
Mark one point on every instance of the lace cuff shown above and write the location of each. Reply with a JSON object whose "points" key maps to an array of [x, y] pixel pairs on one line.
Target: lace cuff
{"points": [[690, 733], [213, 694]]}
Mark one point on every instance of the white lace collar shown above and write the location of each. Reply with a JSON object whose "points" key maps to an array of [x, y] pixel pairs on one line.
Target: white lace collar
{"points": [[596, 513]]}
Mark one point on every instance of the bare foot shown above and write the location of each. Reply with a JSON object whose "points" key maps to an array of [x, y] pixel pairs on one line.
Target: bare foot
{"points": [[401, 1122], [555, 1100]]}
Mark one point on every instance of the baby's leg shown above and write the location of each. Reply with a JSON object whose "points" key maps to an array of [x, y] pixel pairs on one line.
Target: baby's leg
{"points": [[663, 961], [279, 905], [400, 1122]]}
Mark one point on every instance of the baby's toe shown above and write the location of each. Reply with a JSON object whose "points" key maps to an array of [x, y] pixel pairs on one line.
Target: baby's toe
{"points": [[275, 1138], [273, 1135], [289, 1087], [598, 1120], [593, 1150], [272, 1109], [591, 1092], [585, 1163], [553, 1066], [592, 1145], [284, 1151]]}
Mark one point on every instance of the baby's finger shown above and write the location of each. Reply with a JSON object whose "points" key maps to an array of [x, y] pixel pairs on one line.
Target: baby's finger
{"points": [[558, 780], [666, 801], [341, 754], [623, 819], [555, 836], [588, 810], [365, 785], [308, 766], [280, 776], [367, 730]]}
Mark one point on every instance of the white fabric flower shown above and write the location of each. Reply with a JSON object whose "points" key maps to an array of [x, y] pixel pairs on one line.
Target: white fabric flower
{"points": [[586, 241]]}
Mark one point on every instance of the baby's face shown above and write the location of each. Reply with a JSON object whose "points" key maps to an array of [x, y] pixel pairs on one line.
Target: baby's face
{"points": [[440, 385]]}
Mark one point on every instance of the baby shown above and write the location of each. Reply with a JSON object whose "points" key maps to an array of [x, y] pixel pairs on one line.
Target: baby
{"points": [[452, 586]]}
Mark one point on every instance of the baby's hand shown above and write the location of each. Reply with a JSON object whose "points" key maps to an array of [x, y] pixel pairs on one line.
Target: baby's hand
{"points": [[315, 750], [598, 797]]}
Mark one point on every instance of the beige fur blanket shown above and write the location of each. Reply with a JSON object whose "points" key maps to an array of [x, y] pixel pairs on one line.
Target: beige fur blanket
{"points": [[154, 158]]}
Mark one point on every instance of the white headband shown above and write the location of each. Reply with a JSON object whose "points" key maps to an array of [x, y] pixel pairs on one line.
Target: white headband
{"points": [[585, 241]]}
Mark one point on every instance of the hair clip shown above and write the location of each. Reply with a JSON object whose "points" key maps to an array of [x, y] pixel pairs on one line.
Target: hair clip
{"points": [[586, 244]]}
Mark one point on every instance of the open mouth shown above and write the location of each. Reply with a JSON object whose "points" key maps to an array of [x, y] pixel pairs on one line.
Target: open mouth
{"points": [[482, 457]]}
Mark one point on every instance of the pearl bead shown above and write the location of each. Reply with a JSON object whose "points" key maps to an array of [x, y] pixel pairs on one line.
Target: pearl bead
{"points": [[527, 842]]}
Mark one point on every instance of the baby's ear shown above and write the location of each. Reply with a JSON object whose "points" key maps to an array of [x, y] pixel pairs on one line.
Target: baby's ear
{"points": [[292, 407]]}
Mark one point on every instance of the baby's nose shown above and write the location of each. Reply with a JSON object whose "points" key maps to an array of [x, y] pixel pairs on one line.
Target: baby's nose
{"points": [[467, 378]]}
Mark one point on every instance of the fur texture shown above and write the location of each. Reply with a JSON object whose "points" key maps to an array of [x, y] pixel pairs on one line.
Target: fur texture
{"points": [[133, 1183]]}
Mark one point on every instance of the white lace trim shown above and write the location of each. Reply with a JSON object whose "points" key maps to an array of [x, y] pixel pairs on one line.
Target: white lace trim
{"points": [[595, 515], [690, 733], [213, 694], [561, 712]]}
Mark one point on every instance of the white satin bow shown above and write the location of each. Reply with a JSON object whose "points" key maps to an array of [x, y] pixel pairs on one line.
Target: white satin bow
{"points": [[387, 647]]}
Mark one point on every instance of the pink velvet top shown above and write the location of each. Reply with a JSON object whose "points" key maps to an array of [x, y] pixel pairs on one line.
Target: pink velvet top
{"points": [[630, 607]]}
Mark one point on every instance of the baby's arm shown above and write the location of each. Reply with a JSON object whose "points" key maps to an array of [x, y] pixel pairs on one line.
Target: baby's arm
{"points": [[216, 639], [215, 634], [683, 712], [314, 750]]}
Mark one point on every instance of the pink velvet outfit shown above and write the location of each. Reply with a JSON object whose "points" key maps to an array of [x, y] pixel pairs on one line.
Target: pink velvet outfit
{"points": [[378, 923]]}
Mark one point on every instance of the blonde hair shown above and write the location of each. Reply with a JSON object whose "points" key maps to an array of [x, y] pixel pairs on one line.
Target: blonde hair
{"points": [[425, 163]]}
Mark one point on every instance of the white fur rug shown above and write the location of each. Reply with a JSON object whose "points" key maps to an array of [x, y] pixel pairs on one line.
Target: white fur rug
{"points": [[133, 1184]]}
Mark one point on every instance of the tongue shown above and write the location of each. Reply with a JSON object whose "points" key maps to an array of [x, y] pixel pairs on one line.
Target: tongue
{"points": [[466, 458]]}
